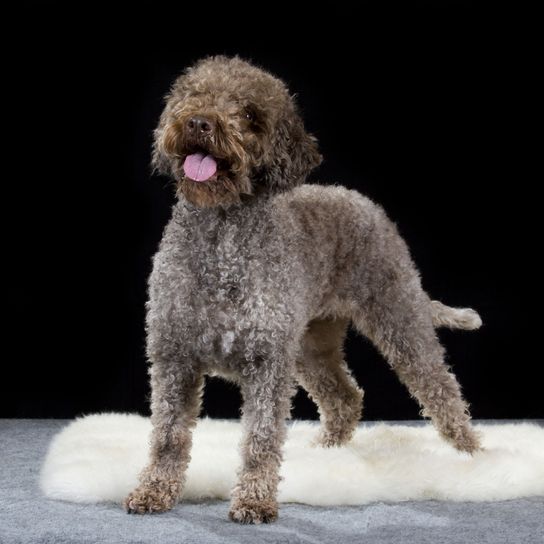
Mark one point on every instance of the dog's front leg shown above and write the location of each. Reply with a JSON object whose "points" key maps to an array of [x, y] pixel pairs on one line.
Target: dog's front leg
{"points": [[176, 391], [267, 394]]}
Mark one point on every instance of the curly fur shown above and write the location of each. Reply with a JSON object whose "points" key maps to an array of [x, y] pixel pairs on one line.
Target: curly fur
{"points": [[257, 278]]}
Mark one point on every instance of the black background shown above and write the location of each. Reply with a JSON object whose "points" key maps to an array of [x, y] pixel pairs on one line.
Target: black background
{"points": [[415, 106]]}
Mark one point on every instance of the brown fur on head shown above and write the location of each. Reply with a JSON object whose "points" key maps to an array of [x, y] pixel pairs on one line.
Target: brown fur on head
{"points": [[259, 142]]}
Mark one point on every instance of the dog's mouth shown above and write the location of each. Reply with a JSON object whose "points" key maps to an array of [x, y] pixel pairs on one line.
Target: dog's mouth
{"points": [[200, 166]]}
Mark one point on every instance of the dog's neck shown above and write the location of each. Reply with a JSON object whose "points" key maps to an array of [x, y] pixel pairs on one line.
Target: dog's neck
{"points": [[250, 205]]}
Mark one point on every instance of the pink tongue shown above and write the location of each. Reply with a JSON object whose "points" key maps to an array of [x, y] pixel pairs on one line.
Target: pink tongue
{"points": [[199, 167]]}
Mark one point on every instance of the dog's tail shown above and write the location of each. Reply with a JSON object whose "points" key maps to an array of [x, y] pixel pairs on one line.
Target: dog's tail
{"points": [[454, 318]]}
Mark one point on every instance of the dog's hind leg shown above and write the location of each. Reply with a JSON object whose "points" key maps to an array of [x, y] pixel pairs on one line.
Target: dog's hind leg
{"points": [[398, 319], [322, 371]]}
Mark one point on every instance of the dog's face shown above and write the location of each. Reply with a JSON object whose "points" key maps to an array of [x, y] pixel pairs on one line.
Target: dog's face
{"points": [[230, 129]]}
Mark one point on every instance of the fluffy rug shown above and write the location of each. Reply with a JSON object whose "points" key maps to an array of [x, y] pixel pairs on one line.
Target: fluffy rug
{"points": [[97, 458]]}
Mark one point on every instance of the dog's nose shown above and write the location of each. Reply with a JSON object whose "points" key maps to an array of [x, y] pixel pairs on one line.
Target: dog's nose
{"points": [[200, 126]]}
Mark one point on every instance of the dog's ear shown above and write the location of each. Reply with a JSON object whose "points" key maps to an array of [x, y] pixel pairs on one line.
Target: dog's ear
{"points": [[165, 136], [161, 162], [293, 154]]}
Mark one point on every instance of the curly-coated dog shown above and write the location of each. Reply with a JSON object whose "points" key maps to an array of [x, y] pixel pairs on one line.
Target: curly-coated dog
{"points": [[258, 277]]}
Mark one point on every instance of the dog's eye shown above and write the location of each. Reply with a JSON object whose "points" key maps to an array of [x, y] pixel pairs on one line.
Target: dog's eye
{"points": [[253, 119]]}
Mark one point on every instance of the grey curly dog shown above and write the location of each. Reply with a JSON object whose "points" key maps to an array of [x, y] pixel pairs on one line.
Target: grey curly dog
{"points": [[258, 277]]}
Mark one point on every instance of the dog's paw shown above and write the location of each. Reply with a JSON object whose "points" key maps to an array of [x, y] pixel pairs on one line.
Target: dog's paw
{"points": [[467, 440], [152, 498], [328, 439], [245, 511]]}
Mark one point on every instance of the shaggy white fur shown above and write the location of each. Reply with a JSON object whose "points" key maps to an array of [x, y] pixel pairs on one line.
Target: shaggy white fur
{"points": [[97, 458]]}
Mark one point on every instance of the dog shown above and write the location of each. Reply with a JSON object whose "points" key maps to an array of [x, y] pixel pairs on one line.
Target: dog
{"points": [[257, 278]]}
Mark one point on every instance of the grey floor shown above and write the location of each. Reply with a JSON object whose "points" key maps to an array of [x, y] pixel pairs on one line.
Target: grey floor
{"points": [[27, 517]]}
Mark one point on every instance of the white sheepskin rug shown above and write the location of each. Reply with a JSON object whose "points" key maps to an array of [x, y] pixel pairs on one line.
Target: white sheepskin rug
{"points": [[97, 458]]}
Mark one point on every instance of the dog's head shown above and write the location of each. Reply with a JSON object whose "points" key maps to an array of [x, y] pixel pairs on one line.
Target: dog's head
{"points": [[230, 129]]}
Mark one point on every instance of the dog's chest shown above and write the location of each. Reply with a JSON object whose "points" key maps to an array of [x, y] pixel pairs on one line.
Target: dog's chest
{"points": [[229, 261], [232, 275]]}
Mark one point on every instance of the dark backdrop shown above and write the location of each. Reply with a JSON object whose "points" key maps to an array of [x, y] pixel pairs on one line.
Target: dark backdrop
{"points": [[413, 106]]}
